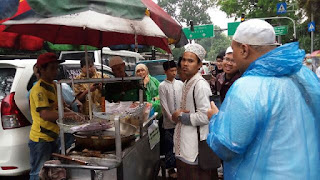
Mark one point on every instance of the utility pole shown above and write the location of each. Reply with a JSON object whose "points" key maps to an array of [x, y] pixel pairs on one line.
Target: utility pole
{"points": [[312, 32]]}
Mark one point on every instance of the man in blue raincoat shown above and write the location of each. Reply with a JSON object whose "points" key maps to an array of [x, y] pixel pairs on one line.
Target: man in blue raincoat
{"points": [[268, 125]]}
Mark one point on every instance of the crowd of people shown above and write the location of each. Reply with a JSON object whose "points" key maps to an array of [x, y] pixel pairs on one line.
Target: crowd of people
{"points": [[258, 113]]}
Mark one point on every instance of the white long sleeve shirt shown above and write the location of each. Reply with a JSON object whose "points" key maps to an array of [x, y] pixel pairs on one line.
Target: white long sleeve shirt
{"points": [[185, 136], [170, 98]]}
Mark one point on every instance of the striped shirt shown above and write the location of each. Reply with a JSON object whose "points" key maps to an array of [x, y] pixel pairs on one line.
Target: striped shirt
{"points": [[43, 96]]}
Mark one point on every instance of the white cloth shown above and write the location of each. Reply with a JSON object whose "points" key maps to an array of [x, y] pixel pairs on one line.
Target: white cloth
{"points": [[255, 32], [170, 98], [318, 72], [186, 137], [197, 49]]}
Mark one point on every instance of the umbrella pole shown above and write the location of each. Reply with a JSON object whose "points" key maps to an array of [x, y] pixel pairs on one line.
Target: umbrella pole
{"points": [[89, 92], [135, 42]]}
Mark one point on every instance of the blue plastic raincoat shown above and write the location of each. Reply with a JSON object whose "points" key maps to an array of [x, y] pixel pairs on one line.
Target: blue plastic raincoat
{"points": [[268, 125]]}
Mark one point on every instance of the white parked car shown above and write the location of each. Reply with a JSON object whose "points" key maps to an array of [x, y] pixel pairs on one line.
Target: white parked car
{"points": [[16, 79]]}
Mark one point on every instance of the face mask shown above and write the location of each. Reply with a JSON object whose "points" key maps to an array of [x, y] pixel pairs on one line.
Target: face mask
{"points": [[309, 60]]}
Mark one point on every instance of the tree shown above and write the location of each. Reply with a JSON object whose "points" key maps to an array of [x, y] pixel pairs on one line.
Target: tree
{"points": [[215, 45], [311, 7], [184, 11], [266, 8]]}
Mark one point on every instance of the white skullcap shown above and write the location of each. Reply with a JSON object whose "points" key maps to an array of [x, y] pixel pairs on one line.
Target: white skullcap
{"points": [[229, 50], [255, 32], [197, 49], [115, 60]]}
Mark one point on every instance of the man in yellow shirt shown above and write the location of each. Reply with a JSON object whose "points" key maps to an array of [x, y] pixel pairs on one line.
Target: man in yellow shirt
{"points": [[44, 131], [81, 90]]}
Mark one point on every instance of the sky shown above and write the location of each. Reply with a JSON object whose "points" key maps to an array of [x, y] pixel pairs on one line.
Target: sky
{"points": [[219, 17]]}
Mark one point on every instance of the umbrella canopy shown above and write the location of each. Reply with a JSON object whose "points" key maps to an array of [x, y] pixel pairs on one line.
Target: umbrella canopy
{"points": [[89, 28], [127, 9], [315, 53], [168, 25], [10, 9]]}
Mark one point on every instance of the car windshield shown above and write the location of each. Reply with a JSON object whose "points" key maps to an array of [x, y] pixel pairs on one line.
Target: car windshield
{"points": [[73, 71], [155, 68], [130, 61], [6, 80], [75, 55]]}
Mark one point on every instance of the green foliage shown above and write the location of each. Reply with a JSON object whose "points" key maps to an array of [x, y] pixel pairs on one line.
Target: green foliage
{"points": [[266, 8], [176, 53], [184, 11], [215, 45], [311, 6]]}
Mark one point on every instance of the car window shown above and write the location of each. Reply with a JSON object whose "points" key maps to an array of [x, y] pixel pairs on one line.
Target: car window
{"points": [[72, 71], [75, 55], [130, 61], [155, 68], [6, 80], [32, 80]]}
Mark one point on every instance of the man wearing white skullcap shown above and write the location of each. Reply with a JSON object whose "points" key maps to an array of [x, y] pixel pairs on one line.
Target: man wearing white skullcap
{"points": [[191, 116], [229, 75], [268, 126]]}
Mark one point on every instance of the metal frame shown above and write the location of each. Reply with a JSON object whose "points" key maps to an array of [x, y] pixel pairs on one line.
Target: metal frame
{"points": [[114, 163], [117, 121]]}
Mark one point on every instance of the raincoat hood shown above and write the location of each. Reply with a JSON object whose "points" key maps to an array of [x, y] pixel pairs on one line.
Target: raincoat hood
{"points": [[282, 61]]}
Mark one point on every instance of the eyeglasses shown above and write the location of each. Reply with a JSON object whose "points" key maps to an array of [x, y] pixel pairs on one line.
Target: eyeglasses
{"points": [[229, 60]]}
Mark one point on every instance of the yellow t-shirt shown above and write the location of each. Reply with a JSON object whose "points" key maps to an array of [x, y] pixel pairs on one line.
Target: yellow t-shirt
{"points": [[43, 96]]}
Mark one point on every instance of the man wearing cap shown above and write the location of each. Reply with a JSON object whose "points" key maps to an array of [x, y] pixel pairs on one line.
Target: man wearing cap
{"points": [[192, 114], [268, 126], [43, 106], [120, 91], [170, 97], [229, 75]]}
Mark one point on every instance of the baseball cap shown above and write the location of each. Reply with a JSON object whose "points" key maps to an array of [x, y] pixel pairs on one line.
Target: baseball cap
{"points": [[255, 32], [47, 58], [115, 60]]}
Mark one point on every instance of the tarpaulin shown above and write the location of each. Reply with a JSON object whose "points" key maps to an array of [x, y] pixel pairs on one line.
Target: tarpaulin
{"points": [[269, 123]]}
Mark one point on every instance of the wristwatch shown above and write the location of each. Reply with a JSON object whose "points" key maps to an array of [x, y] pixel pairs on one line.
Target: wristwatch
{"points": [[180, 116]]}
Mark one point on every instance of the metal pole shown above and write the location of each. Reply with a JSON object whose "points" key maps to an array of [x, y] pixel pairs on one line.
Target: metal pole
{"points": [[312, 33], [118, 138], [141, 101], [294, 24], [60, 112], [89, 92]]}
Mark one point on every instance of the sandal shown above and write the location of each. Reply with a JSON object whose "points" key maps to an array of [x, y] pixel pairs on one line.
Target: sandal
{"points": [[172, 173]]}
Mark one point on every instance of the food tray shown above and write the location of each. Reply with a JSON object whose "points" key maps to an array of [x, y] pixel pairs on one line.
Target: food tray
{"points": [[126, 113], [71, 126]]}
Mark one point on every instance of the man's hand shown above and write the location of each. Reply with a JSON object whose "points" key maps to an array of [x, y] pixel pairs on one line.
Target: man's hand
{"points": [[213, 110], [177, 113], [93, 87]]}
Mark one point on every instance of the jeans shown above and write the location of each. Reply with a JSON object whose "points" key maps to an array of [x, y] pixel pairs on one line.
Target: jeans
{"points": [[40, 152]]}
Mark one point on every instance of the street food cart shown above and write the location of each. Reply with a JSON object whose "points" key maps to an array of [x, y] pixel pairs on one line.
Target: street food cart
{"points": [[137, 160]]}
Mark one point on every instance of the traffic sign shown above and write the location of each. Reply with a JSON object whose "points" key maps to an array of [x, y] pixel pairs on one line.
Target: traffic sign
{"points": [[281, 30], [201, 31], [232, 27], [281, 8], [311, 26]]}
